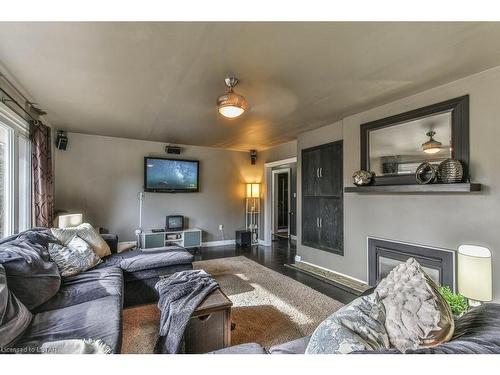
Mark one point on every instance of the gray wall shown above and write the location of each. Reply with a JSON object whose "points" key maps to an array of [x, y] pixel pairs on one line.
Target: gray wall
{"points": [[437, 220], [102, 176]]}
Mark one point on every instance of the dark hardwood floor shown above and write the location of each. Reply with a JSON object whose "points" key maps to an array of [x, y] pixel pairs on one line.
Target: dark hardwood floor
{"points": [[275, 257]]}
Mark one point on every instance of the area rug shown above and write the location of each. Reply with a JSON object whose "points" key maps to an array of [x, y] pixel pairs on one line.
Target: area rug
{"points": [[268, 307]]}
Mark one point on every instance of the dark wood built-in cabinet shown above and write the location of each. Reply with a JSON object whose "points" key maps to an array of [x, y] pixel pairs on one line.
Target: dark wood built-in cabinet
{"points": [[322, 198]]}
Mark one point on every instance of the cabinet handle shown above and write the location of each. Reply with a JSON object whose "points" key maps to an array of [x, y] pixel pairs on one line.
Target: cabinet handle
{"points": [[317, 172], [321, 172], [204, 318], [321, 222], [317, 222]]}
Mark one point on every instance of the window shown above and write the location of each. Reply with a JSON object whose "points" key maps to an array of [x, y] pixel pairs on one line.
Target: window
{"points": [[4, 181], [15, 174]]}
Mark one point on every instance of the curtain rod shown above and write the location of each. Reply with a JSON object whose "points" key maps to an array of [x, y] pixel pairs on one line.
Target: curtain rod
{"points": [[11, 99], [32, 108]]}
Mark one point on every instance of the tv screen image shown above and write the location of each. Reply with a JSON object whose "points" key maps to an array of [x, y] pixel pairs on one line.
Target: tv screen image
{"points": [[170, 175]]}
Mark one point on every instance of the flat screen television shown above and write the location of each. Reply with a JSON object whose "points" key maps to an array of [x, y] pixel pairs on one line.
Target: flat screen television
{"points": [[171, 175]]}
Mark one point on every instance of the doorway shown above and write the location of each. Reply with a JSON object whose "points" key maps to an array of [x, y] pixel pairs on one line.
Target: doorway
{"points": [[281, 203]]}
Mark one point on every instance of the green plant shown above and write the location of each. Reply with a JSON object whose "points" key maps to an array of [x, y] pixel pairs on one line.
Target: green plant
{"points": [[457, 302]]}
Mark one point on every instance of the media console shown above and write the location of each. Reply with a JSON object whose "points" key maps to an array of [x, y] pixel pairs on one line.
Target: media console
{"points": [[187, 238]]}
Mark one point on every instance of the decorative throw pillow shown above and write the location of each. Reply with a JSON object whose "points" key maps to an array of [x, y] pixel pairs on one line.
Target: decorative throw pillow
{"points": [[76, 346], [357, 326], [14, 316], [74, 258], [87, 233], [31, 275], [416, 313]]}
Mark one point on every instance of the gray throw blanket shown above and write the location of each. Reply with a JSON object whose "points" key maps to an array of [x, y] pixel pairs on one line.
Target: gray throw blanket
{"points": [[180, 295]]}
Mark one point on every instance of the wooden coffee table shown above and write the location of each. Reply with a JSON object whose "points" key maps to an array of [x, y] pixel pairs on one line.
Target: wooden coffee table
{"points": [[210, 325]]}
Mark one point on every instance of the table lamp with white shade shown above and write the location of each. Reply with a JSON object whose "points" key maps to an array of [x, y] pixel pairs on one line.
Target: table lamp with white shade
{"points": [[69, 220], [474, 273]]}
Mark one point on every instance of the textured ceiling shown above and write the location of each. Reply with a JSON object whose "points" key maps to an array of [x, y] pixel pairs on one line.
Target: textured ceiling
{"points": [[160, 81]]}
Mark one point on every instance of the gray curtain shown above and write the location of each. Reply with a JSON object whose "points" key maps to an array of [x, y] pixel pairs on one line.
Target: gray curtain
{"points": [[42, 183]]}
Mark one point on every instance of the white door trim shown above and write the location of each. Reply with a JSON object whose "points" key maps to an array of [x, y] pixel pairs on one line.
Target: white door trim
{"points": [[280, 162], [267, 203], [275, 172]]}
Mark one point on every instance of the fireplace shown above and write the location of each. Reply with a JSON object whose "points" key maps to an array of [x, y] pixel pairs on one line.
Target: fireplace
{"points": [[384, 255]]}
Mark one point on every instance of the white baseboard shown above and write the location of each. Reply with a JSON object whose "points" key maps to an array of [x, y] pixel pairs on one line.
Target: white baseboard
{"points": [[264, 243], [338, 273], [218, 243]]}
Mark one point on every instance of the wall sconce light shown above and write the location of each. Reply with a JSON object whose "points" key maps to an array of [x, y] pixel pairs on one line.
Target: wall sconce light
{"points": [[253, 191]]}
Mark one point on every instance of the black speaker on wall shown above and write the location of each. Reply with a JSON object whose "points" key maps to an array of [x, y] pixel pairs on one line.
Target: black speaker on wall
{"points": [[61, 140], [253, 156]]}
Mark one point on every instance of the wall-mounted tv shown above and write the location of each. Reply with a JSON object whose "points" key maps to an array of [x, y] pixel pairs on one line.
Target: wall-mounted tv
{"points": [[171, 175]]}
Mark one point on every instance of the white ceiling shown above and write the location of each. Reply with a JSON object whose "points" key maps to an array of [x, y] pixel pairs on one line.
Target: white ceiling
{"points": [[160, 81]]}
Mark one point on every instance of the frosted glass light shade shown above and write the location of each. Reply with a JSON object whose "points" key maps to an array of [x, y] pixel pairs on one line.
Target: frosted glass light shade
{"points": [[70, 220], [474, 272], [253, 191], [231, 105]]}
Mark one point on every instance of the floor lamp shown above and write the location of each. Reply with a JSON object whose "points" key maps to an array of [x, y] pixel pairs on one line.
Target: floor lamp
{"points": [[252, 210]]}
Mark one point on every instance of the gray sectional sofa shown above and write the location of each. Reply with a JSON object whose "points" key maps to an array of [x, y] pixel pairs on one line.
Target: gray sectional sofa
{"points": [[476, 332], [87, 305]]}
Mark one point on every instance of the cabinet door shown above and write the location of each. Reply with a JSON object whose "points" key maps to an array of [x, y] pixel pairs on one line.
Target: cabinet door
{"points": [[310, 221], [310, 172], [330, 180], [332, 225], [154, 240], [192, 239]]}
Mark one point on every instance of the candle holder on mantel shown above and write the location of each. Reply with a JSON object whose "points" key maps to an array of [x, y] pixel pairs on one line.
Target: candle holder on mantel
{"points": [[252, 210]]}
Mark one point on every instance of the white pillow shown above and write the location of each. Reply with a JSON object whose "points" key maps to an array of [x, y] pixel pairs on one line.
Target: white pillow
{"points": [[86, 232], [416, 313], [74, 258]]}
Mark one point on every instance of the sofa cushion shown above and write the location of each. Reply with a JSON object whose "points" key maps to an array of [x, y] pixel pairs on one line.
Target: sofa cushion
{"points": [[75, 258], [248, 348], [86, 286], [31, 275], [14, 316], [142, 260], [476, 332], [87, 233], [416, 313], [99, 319], [356, 326], [297, 346]]}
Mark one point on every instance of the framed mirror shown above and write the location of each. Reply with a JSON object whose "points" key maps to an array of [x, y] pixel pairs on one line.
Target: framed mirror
{"points": [[393, 147]]}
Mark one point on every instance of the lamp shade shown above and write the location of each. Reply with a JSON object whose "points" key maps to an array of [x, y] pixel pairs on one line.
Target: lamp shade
{"points": [[70, 220], [474, 272], [253, 191], [431, 146]]}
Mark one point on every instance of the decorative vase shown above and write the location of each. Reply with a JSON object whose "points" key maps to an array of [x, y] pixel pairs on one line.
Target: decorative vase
{"points": [[426, 173], [361, 177], [450, 171]]}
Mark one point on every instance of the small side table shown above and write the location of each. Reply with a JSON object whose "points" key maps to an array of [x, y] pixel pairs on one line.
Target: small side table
{"points": [[209, 328], [243, 238]]}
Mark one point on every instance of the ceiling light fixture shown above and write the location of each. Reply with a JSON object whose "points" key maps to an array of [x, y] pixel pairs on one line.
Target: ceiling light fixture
{"points": [[231, 105], [431, 146]]}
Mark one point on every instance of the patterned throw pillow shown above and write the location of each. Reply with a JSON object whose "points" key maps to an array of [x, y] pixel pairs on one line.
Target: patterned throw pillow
{"points": [[416, 313], [357, 326], [74, 258], [86, 232]]}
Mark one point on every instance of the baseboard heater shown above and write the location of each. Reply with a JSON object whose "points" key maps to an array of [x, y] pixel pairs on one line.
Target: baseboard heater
{"points": [[342, 282]]}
